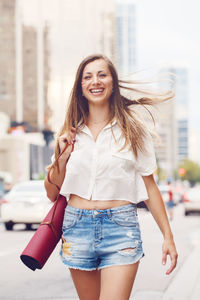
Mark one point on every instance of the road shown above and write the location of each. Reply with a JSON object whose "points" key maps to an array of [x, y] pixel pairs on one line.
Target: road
{"points": [[54, 282]]}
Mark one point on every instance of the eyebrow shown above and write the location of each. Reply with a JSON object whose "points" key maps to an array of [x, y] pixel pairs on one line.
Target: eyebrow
{"points": [[98, 72]]}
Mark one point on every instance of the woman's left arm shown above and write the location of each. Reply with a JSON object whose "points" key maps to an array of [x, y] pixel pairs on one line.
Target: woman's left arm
{"points": [[157, 208]]}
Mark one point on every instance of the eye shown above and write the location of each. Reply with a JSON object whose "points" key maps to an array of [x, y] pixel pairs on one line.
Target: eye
{"points": [[87, 77], [102, 75]]}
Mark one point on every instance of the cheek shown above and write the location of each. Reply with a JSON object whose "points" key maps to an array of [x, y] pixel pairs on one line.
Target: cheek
{"points": [[110, 85], [83, 86]]}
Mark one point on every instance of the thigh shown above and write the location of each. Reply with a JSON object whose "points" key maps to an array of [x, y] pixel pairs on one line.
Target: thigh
{"points": [[87, 284], [117, 281]]}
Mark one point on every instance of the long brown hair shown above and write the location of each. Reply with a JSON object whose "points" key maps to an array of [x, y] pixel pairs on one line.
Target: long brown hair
{"points": [[121, 107]]}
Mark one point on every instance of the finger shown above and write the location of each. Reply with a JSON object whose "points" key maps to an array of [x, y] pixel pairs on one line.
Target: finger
{"points": [[73, 134], [73, 129], [164, 258], [173, 265], [64, 140], [72, 139], [63, 137]]}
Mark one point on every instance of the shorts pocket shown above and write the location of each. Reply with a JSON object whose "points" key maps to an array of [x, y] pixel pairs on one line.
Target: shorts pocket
{"points": [[70, 220], [125, 219]]}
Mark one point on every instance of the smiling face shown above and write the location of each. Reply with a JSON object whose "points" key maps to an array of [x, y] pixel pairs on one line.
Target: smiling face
{"points": [[97, 82]]}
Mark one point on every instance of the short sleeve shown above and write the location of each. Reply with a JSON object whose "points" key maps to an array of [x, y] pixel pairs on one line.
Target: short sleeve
{"points": [[146, 161]]}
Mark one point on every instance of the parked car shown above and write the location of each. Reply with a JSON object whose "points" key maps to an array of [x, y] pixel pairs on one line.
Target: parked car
{"points": [[26, 203], [192, 201]]}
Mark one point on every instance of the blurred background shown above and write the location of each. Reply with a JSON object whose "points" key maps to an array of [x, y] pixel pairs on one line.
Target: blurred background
{"points": [[42, 43]]}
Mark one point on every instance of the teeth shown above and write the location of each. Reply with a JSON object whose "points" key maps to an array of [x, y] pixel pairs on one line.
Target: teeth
{"points": [[97, 91]]}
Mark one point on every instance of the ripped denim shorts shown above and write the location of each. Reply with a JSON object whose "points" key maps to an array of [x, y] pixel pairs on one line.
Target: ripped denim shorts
{"points": [[96, 239]]}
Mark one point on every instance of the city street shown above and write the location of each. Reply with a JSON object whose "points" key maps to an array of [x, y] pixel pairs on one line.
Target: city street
{"points": [[54, 282], [97, 99]]}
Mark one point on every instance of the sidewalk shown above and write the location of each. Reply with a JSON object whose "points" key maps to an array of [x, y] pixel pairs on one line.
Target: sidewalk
{"points": [[186, 284]]}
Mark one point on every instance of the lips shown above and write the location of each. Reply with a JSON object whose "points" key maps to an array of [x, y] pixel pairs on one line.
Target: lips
{"points": [[96, 91]]}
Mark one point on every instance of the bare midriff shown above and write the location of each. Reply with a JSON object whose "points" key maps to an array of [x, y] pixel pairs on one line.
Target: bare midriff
{"points": [[82, 203]]}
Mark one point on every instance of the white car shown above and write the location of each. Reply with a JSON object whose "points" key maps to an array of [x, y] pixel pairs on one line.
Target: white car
{"points": [[192, 201], [26, 203]]}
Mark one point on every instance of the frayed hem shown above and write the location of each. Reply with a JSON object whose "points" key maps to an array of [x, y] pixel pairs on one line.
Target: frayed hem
{"points": [[123, 264], [78, 268], [83, 269]]}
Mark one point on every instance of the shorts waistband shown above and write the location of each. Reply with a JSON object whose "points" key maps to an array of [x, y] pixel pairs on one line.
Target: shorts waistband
{"points": [[108, 211]]}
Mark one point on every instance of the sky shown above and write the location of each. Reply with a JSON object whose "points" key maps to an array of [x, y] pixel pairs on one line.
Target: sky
{"points": [[167, 32]]}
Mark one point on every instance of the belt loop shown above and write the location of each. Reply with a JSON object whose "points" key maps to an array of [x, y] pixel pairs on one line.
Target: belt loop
{"points": [[135, 207], [80, 214], [109, 212]]}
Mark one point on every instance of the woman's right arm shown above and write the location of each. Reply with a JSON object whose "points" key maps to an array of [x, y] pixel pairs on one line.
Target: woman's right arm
{"points": [[58, 177]]}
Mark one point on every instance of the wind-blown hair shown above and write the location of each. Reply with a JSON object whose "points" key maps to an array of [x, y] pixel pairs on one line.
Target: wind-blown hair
{"points": [[121, 107]]}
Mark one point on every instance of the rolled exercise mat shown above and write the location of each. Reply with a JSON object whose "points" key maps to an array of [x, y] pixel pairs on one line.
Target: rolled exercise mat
{"points": [[46, 237]]}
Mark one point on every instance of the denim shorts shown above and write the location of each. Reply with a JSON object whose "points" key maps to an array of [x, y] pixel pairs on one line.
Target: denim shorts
{"points": [[95, 239]]}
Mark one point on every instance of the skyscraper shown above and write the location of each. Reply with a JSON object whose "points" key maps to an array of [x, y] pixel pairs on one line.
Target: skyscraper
{"points": [[18, 65], [181, 89], [30, 76], [125, 37], [167, 148], [7, 57], [173, 125]]}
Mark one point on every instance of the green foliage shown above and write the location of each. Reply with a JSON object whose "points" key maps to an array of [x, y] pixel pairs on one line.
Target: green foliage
{"points": [[41, 176], [161, 174], [192, 169]]}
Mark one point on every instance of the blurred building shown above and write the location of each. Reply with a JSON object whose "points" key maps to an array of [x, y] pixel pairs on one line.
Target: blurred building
{"points": [[193, 145], [18, 64], [24, 156], [173, 124], [126, 37], [181, 89], [7, 58], [30, 76], [166, 149], [82, 28]]}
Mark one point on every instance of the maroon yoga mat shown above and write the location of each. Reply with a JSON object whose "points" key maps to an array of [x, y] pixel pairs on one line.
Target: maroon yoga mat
{"points": [[46, 237]]}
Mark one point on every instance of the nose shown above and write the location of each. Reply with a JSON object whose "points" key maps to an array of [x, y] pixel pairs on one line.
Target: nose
{"points": [[95, 79]]}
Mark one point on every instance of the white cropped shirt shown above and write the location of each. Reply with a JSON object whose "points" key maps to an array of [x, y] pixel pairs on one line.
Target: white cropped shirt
{"points": [[97, 171]]}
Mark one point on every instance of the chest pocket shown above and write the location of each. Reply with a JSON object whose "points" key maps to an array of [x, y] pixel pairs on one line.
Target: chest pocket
{"points": [[122, 163], [125, 154]]}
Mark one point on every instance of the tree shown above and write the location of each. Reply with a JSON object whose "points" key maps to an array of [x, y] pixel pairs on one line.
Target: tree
{"points": [[192, 171]]}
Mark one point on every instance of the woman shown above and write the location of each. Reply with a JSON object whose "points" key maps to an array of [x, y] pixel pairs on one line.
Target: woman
{"points": [[109, 170]]}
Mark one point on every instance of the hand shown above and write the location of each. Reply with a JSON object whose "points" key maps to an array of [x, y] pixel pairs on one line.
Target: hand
{"points": [[169, 248], [67, 138]]}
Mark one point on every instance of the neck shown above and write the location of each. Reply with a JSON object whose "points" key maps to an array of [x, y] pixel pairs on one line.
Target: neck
{"points": [[98, 115]]}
